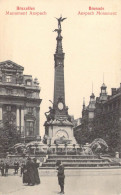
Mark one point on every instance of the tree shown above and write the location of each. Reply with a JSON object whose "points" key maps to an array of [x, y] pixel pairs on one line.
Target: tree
{"points": [[9, 136]]}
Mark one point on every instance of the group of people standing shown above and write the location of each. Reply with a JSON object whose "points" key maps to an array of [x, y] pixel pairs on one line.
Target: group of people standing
{"points": [[4, 168], [30, 172]]}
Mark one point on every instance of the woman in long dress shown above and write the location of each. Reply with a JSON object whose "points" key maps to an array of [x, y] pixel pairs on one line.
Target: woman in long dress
{"points": [[36, 173], [25, 175], [28, 174]]}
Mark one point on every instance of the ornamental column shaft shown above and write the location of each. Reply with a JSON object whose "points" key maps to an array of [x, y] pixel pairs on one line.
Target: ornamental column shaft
{"points": [[18, 118], [59, 88], [22, 121], [1, 117]]}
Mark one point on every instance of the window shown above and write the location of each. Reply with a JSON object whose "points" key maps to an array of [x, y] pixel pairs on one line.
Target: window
{"points": [[29, 109], [28, 82], [8, 79], [29, 128], [103, 91], [91, 115], [29, 94], [8, 108], [9, 91]]}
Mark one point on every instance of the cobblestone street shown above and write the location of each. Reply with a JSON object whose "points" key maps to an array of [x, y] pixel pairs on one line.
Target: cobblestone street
{"points": [[86, 182]]}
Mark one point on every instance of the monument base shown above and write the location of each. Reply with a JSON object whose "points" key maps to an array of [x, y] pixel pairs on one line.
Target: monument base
{"points": [[59, 132]]}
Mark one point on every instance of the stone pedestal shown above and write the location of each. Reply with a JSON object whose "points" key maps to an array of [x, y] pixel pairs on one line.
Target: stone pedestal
{"points": [[60, 132]]}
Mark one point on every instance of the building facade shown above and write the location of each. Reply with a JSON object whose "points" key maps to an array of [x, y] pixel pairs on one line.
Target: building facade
{"points": [[107, 121], [102, 119], [83, 130], [19, 100], [88, 113]]}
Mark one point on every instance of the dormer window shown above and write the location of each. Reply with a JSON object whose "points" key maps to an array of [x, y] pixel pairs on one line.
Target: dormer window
{"points": [[8, 79], [29, 82]]}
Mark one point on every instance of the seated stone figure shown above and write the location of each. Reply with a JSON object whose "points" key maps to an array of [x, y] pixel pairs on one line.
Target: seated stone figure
{"points": [[50, 114]]}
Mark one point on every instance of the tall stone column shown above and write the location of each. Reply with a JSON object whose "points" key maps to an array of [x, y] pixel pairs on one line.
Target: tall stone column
{"points": [[22, 120], [18, 118], [1, 114], [37, 127]]}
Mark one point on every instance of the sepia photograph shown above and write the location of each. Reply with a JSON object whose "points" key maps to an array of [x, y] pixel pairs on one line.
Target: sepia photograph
{"points": [[60, 97]]}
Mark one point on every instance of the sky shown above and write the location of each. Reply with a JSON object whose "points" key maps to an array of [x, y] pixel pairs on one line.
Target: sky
{"points": [[91, 43]]}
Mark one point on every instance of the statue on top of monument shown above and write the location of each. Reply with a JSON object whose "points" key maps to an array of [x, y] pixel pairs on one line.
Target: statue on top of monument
{"points": [[58, 31], [50, 114], [59, 21]]}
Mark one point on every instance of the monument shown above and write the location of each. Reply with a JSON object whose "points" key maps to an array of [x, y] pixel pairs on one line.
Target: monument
{"points": [[58, 126]]}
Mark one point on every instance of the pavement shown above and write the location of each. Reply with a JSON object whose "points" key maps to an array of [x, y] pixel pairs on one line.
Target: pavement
{"points": [[82, 182]]}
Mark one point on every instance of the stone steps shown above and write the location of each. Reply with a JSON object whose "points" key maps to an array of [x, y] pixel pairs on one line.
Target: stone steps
{"points": [[78, 161], [83, 168], [106, 164], [72, 157]]}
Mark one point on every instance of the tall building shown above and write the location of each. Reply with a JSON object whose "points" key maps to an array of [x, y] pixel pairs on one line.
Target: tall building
{"points": [[19, 100], [88, 113], [107, 121], [102, 119], [59, 127]]}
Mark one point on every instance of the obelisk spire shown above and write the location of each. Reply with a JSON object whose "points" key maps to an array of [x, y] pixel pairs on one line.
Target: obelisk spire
{"points": [[59, 89]]}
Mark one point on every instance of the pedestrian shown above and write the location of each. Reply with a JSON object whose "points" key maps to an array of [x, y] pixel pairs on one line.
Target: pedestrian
{"points": [[30, 172], [16, 166], [36, 173], [25, 175], [22, 168], [6, 168], [61, 175], [2, 166]]}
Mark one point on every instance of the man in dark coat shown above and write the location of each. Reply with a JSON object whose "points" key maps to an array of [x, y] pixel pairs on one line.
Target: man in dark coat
{"points": [[22, 168], [16, 166], [2, 166], [6, 168], [61, 175]]}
